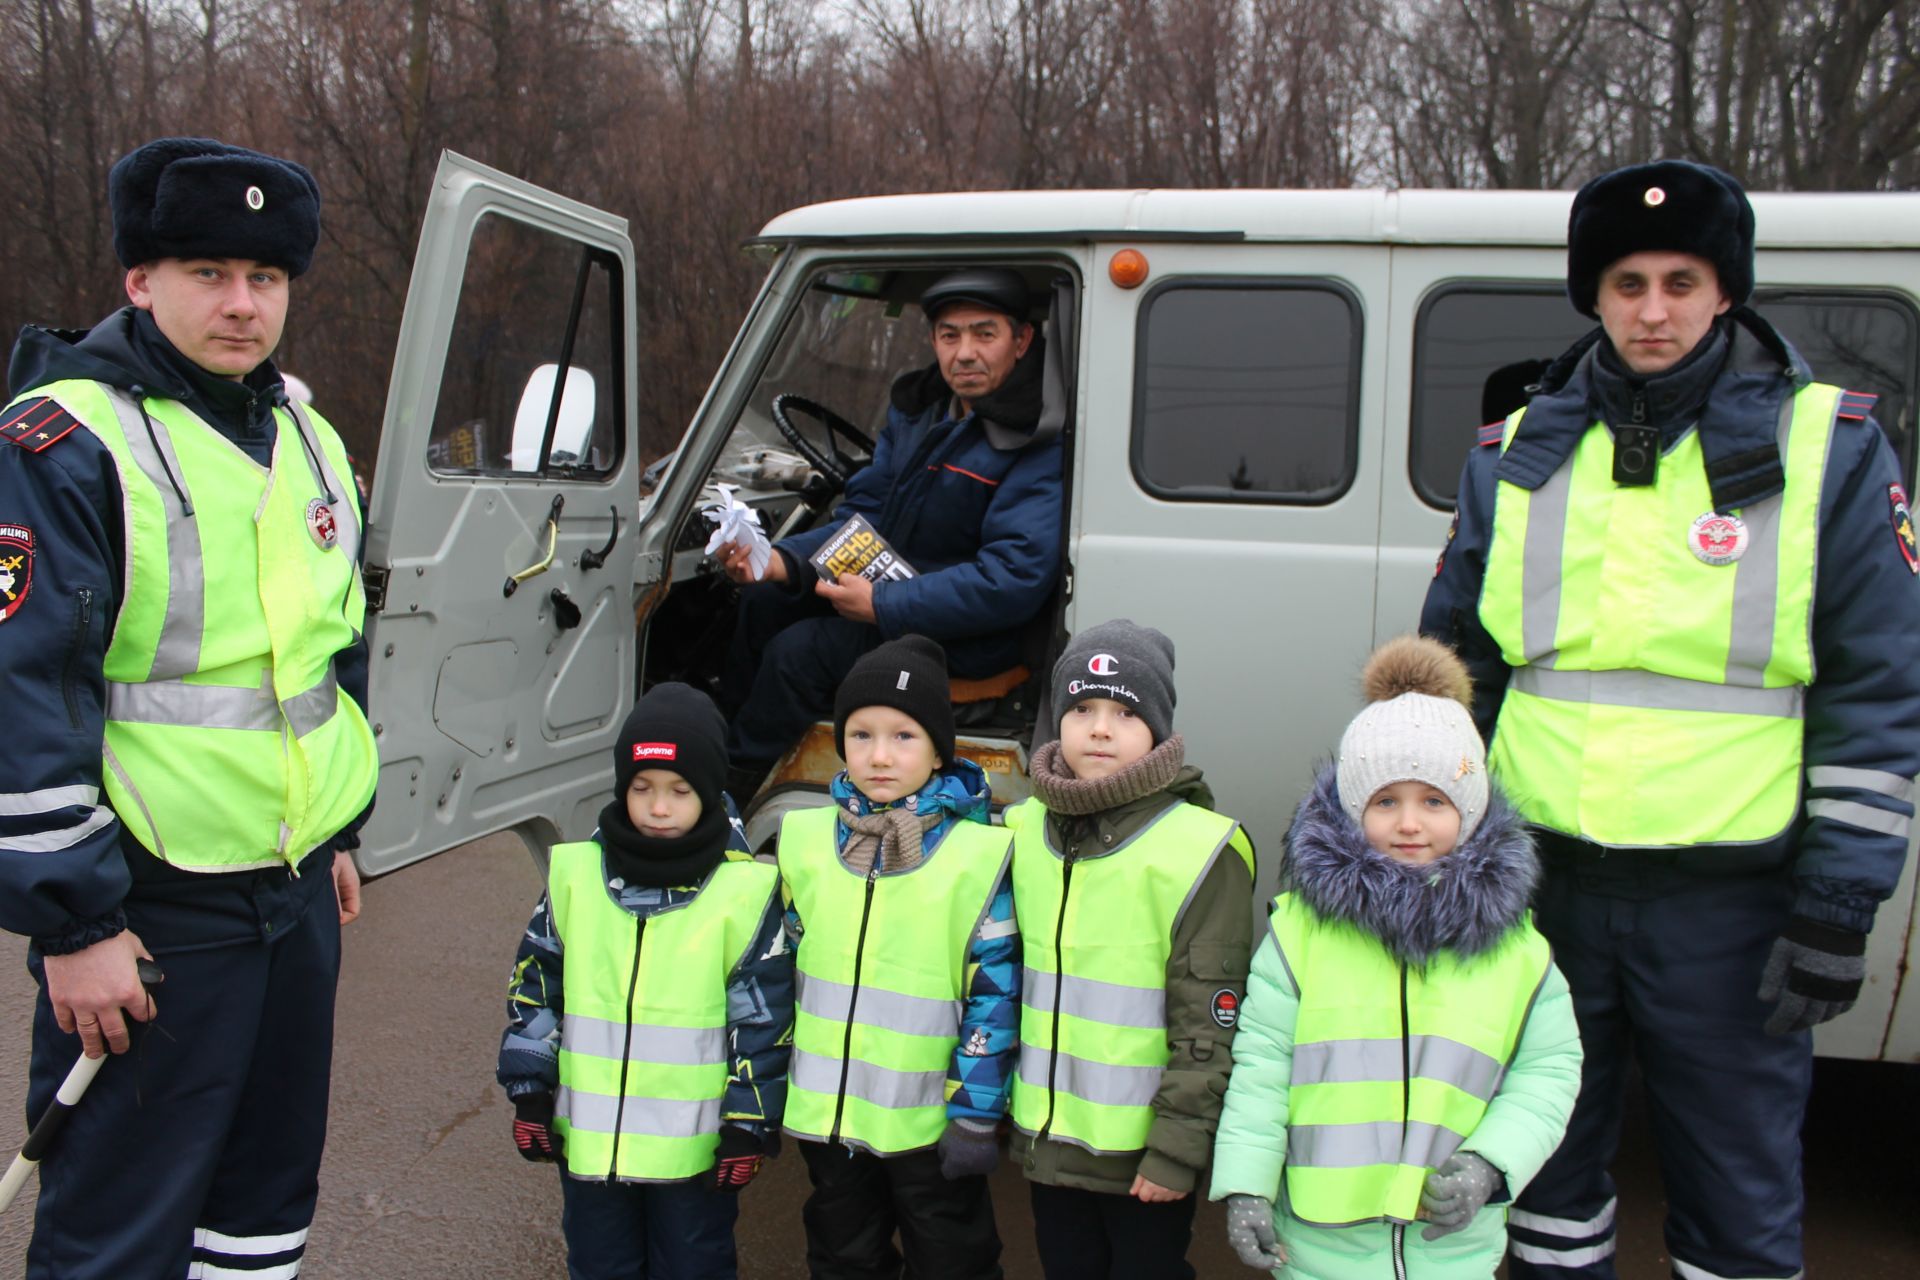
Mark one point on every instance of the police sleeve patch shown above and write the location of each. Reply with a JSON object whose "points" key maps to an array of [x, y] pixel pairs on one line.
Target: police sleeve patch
{"points": [[1226, 1007], [16, 567], [37, 425], [1902, 519]]}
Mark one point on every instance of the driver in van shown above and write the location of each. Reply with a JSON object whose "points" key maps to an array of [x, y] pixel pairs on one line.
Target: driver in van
{"points": [[965, 486], [1683, 576]]}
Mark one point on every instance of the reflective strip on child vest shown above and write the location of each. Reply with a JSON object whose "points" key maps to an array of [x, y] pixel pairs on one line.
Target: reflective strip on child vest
{"points": [[1374, 1103], [1093, 1013], [228, 743], [643, 1035], [876, 1022], [1656, 699]]}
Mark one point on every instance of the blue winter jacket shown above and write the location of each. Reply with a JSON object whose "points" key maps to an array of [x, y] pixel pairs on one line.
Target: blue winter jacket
{"points": [[66, 866], [1863, 709], [974, 508]]}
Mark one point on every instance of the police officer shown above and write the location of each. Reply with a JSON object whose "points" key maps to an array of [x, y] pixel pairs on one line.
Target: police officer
{"points": [[187, 755], [1683, 577]]}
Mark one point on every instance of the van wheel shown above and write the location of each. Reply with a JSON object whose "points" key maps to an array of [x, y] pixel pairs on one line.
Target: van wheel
{"points": [[832, 462]]}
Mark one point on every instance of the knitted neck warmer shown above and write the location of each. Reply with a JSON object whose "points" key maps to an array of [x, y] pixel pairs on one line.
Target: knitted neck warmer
{"points": [[898, 830], [1063, 793], [662, 863]]}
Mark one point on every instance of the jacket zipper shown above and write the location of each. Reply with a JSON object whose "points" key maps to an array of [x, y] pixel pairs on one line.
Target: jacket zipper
{"points": [[1406, 1113], [82, 627], [853, 1001], [1059, 981], [626, 1048]]}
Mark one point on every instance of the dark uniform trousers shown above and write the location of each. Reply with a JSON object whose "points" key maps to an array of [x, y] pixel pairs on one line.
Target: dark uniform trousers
{"points": [[1665, 965], [1095, 1235], [790, 651], [859, 1200], [197, 1152], [648, 1231]]}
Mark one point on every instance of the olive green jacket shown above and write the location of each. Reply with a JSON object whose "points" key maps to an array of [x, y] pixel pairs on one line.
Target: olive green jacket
{"points": [[1211, 947]]}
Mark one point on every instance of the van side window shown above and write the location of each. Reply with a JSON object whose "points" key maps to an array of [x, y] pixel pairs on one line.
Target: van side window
{"points": [[1247, 393], [1476, 346], [532, 302]]}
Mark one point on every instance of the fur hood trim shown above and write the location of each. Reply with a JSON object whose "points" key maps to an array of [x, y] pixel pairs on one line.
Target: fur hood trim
{"points": [[1467, 902]]}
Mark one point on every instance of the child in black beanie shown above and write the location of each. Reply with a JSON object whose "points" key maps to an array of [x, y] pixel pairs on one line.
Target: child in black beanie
{"points": [[646, 1048], [908, 1019]]}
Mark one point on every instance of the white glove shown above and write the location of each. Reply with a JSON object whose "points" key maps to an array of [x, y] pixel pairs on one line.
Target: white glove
{"points": [[1250, 1232], [735, 521], [1455, 1192]]}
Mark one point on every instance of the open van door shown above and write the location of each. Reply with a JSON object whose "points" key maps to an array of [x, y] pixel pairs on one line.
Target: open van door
{"points": [[503, 556]]}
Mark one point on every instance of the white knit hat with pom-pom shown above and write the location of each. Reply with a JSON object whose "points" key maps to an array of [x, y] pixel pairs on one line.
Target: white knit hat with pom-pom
{"points": [[1416, 727]]}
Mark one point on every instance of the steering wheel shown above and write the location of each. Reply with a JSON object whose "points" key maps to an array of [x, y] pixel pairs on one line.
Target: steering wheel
{"points": [[833, 462]]}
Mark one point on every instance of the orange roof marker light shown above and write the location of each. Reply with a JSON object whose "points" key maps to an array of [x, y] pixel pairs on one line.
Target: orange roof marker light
{"points": [[1128, 268]]}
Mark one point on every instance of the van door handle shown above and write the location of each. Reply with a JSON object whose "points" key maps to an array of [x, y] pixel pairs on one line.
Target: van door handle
{"points": [[594, 559], [566, 614], [545, 562]]}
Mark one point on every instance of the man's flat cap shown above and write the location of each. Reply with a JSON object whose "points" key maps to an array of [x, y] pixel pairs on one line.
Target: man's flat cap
{"points": [[1669, 206], [995, 288], [198, 198]]}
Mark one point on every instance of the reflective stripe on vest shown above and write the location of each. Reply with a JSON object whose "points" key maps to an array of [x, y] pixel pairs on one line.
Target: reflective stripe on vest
{"points": [[882, 974], [228, 743], [1375, 1102], [1097, 933], [1656, 700], [643, 1039]]}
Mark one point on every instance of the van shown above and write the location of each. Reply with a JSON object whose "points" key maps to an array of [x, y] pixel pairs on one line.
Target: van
{"points": [[1266, 398]]}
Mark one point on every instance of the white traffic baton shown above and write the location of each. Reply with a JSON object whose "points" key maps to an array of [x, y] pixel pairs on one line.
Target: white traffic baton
{"points": [[47, 1128]]}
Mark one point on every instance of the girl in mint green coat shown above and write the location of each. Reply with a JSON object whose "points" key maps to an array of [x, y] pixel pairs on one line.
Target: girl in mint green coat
{"points": [[1407, 1056]]}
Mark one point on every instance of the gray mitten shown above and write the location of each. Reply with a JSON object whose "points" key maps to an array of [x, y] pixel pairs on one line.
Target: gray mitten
{"points": [[968, 1148], [1250, 1232], [1456, 1191], [1813, 975]]}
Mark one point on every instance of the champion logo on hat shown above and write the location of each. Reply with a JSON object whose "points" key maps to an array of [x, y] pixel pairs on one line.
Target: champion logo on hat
{"points": [[1102, 664], [655, 751], [1655, 197], [256, 199]]}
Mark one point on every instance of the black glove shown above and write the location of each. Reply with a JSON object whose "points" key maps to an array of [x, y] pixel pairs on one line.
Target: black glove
{"points": [[738, 1159], [967, 1149], [533, 1133], [1813, 975]]}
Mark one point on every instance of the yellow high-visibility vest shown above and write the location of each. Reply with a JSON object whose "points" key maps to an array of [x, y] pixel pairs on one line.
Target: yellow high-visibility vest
{"points": [[643, 1035], [1657, 696], [229, 743]]}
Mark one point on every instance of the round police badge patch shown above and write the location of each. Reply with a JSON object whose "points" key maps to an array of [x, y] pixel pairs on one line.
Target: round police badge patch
{"points": [[1717, 539], [320, 524], [1903, 527], [1226, 1007], [16, 567]]}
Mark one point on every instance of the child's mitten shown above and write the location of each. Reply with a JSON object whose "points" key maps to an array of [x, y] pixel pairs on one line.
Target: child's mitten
{"points": [[533, 1134], [739, 1158], [1250, 1232], [1813, 975], [1456, 1191], [968, 1148]]}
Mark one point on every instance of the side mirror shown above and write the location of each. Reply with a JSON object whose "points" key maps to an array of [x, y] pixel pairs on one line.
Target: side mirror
{"points": [[573, 430]]}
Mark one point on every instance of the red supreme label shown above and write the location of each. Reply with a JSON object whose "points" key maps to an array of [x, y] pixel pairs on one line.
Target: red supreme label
{"points": [[655, 751]]}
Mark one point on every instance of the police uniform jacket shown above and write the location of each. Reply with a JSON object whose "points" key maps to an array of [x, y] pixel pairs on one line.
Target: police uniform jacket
{"points": [[67, 869], [1862, 711]]}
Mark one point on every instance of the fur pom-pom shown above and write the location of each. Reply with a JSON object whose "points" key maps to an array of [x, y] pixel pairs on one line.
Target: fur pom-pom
{"points": [[1416, 664]]}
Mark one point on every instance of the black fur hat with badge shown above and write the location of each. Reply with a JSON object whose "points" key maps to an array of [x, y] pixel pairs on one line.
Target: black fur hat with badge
{"points": [[199, 198], [1672, 206]]}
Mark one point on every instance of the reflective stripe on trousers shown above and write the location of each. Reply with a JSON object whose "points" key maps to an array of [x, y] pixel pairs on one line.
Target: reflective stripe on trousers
{"points": [[640, 1117], [881, 1086], [1096, 1001]]}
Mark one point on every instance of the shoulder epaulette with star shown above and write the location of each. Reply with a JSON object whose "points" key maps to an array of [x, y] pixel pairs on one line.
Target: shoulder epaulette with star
{"points": [[1493, 433], [1855, 406], [37, 425]]}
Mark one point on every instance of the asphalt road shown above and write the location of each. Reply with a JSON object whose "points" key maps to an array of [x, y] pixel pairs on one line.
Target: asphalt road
{"points": [[421, 1181]]}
